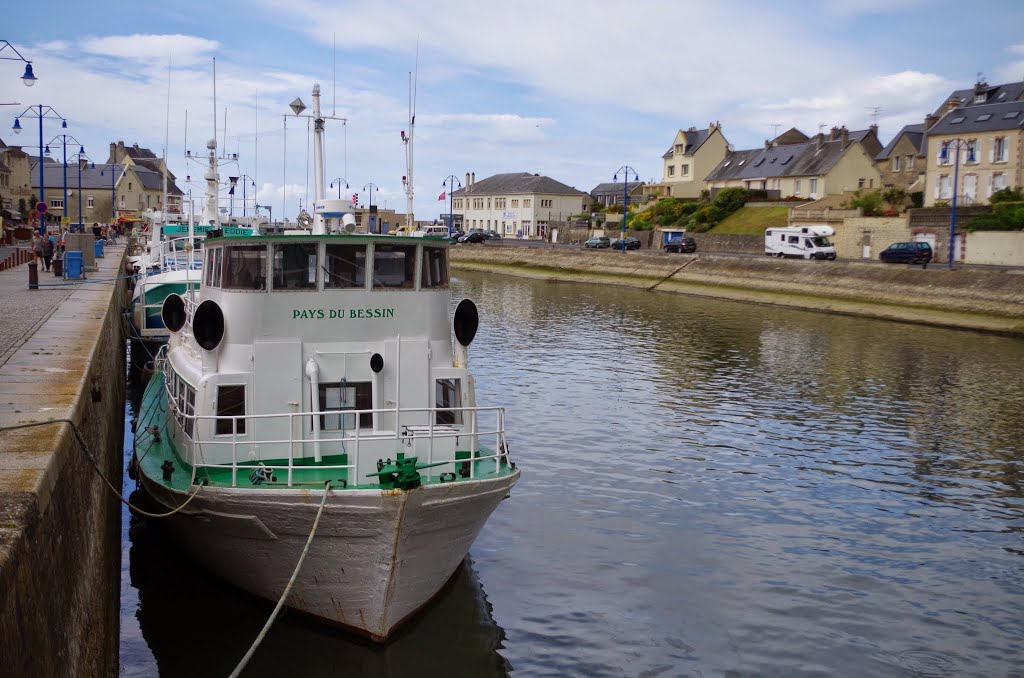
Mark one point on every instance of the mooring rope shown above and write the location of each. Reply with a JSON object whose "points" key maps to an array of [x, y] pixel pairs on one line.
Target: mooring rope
{"points": [[95, 465], [287, 589]]}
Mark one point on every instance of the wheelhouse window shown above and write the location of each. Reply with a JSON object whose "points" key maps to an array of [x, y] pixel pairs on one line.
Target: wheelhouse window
{"points": [[345, 266], [435, 268], [394, 266], [231, 403], [295, 266], [346, 395], [448, 394], [211, 269], [245, 267]]}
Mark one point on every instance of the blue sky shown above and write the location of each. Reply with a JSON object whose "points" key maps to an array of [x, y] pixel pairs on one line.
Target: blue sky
{"points": [[572, 90]]}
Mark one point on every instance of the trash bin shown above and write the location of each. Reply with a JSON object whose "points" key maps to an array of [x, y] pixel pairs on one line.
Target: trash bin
{"points": [[73, 265], [98, 248], [58, 267]]}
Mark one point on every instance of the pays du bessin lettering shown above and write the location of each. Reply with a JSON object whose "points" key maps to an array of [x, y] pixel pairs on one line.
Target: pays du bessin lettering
{"points": [[341, 313]]}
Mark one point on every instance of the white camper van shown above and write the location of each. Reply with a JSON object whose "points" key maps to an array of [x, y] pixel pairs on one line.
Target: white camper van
{"points": [[802, 242]]}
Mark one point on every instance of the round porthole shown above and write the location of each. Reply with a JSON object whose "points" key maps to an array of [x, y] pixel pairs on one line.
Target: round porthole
{"points": [[208, 325]]}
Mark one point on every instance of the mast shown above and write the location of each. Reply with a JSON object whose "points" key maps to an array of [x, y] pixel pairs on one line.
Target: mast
{"points": [[408, 180], [211, 215], [318, 163]]}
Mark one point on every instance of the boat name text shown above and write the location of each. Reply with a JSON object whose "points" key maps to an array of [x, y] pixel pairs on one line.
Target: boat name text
{"points": [[341, 313]]}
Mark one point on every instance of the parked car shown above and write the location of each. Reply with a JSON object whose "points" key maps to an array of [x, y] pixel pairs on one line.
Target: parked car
{"points": [[493, 235], [454, 237], [599, 242], [629, 243], [907, 253], [474, 237], [680, 244]]}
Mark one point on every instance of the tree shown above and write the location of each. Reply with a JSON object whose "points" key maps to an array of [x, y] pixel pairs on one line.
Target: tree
{"points": [[895, 198], [870, 202], [1008, 195]]}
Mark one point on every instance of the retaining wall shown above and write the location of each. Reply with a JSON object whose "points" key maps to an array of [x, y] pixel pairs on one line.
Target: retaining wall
{"points": [[59, 523], [974, 299]]}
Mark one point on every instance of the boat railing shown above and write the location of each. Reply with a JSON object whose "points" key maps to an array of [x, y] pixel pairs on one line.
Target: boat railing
{"points": [[481, 425]]}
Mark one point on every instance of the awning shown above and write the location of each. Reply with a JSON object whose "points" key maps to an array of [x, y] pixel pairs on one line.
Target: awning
{"points": [[13, 214]]}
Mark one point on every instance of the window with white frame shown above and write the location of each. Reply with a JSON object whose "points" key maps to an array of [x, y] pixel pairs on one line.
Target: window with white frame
{"points": [[910, 162], [813, 187], [998, 182], [89, 202], [945, 154], [56, 203], [686, 170], [671, 170], [546, 203], [945, 187], [526, 202], [515, 202], [797, 187], [895, 163], [972, 152], [999, 150]]}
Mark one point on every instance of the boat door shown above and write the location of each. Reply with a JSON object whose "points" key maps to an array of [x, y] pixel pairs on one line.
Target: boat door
{"points": [[277, 388]]}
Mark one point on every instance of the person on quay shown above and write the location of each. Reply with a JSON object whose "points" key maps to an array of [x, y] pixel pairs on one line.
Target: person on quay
{"points": [[96, 231], [48, 247], [37, 245]]}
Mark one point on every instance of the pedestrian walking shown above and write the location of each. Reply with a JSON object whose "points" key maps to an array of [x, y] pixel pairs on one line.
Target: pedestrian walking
{"points": [[96, 231], [48, 251], [37, 245]]}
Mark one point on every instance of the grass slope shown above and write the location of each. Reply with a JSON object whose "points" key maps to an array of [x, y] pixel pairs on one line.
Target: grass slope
{"points": [[752, 220]]}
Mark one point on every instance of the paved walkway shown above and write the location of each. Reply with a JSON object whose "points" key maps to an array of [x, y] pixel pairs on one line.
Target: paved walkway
{"points": [[23, 311]]}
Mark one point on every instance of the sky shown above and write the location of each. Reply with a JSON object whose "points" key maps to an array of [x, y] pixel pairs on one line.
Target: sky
{"points": [[574, 90]]}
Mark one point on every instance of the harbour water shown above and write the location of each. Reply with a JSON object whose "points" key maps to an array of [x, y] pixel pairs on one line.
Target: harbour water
{"points": [[709, 488]]}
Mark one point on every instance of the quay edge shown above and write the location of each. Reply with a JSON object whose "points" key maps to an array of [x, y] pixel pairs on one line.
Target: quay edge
{"points": [[984, 300], [59, 523]]}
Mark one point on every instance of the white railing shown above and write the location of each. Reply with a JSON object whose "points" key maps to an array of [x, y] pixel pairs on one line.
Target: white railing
{"points": [[407, 438]]}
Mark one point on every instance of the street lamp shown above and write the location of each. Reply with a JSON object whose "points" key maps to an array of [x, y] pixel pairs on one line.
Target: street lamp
{"points": [[625, 169], [339, 181], [958, 143], [29, 77], [78, 158], [450, 182], [64, 138], [112, 167], [42, 112]]}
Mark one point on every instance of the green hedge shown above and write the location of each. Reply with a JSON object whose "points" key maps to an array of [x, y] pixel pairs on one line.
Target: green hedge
{"points": [[1005, 216]]}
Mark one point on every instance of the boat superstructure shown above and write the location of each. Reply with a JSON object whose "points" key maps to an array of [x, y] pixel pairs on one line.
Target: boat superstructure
{"points": [[319, 368]]}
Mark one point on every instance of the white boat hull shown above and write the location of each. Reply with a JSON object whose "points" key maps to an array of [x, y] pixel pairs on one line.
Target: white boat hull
{"points": [[377, 557]]}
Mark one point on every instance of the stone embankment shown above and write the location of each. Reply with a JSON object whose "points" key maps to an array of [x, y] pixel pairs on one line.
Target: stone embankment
{"points": [[62, 356], [987, 300]]}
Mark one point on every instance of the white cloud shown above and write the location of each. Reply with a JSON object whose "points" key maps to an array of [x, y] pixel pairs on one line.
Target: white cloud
{"points": [[180, 48]]}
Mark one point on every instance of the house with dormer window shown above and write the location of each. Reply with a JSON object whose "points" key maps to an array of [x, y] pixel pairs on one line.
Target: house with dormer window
{"points": [[986, 125], [694, 153], [822, 165]]}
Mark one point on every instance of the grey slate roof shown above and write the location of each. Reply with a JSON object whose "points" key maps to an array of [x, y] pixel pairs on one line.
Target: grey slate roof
{"points": [[995, 94], [790, 136], [616, 188], [790, 160], [518, 182], [912, 132], [154, 164], [694, 140], [97, 178], [981, 118]]}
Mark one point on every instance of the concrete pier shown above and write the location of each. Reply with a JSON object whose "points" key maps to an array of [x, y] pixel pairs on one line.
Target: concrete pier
{"points": [[62, 356]]}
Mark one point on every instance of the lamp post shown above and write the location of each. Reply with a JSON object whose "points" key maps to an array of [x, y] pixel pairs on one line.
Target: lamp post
{"points": [[40, 111], [625, 169], [64, 139], [29, 77], [339, 181], [450, 182], [78, 158], [112, 167], [957, 143]]}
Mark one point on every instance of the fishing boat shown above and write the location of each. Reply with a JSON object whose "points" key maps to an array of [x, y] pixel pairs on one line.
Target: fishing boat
{"points": [[312, 395]]}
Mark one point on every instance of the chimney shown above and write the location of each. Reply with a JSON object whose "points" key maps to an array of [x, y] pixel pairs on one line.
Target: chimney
{"points": [[113, 148], [833, 134], [472, 178], [844, 136], [767, 143], [873, 128], [467, 181], [952, 104], [819, 140], [929, 121], [692, 129]]}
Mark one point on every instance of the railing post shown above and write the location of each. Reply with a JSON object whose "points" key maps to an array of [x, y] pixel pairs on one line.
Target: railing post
{"points": [[234, 452]]}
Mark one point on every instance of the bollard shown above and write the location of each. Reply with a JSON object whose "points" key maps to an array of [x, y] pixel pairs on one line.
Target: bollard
{"points": [[33, 275]]}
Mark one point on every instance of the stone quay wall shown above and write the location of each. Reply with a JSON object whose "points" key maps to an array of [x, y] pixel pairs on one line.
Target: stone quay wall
{"points": [[59, 522], [991, 301]]}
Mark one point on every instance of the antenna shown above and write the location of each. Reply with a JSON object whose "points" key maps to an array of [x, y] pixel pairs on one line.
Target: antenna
{"points": [[821, 127], [256, 172], [775, 128], [334, 76], [215, 99], [875, 110]]}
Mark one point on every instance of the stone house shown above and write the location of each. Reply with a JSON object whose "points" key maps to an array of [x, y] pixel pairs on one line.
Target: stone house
{"points": [[898, 161], [986, 126], [517, 203], [822, 165], [694, 153], [15, 184], [146, 159], [613, 193]]}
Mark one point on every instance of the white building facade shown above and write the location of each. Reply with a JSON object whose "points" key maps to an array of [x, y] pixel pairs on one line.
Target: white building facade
{"points": [[518, 204]]}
